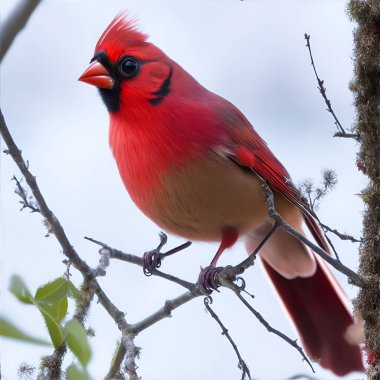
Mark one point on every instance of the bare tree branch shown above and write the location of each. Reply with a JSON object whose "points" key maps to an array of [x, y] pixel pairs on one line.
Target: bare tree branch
{"points": [[15, 22], [68, 250], [127, 257], [342, 236], [316, 193], [354, 277], [132, 330], [225, 277], [242, 365], [322, 89], [57, 229], [26, 200], [230, 273], [51, 219], [132, 353], [164, 312], [271, 329], [346, 135]]}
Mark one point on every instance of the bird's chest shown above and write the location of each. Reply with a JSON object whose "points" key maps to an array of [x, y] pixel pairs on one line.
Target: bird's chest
{"points": [[199, 198], [185, 188], [144, 162]]}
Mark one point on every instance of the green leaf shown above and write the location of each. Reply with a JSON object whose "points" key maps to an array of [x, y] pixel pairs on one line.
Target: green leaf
{"points": [[73, 290], [53, 326], [20, 290], [77, 341], [52, 291], [75, 373], [9, 330], [51, 301], [58, 310]]}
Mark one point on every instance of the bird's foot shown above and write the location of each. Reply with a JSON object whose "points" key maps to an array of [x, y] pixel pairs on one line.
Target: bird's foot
{"points": [[207, 279], [212, 277], [153, 259]]}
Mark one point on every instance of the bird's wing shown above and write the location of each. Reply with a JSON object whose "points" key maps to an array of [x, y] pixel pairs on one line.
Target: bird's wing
{"points": [[249, 150]]}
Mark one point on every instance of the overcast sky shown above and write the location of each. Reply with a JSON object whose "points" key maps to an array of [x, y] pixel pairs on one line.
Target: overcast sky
{"points": [[250, 52]]}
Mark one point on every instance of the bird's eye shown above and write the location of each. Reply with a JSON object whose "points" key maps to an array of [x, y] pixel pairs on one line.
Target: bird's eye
{"points": [[129, 67]]}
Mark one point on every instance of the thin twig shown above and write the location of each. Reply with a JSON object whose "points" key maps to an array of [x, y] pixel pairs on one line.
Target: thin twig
{"points": [[51, 219], [339, 234], [250, 260], [57, 229], [116, 314], [228, 276], [315, 194], [14, 23], [26, 200], [346, 135], [169, 306], [164, 312], [224, 280], [119, 318], [133, 259], [262, 320], [54, 223], [322, 89], [354, 277], [331, 244], [242, 365], [133, 330]]}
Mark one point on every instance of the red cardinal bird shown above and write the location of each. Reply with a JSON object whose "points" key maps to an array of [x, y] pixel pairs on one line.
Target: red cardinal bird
{"points": [[192, 163]]}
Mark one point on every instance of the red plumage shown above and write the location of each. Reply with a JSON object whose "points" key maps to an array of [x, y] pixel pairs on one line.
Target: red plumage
{"points": [[120, 34], [180, 150]]}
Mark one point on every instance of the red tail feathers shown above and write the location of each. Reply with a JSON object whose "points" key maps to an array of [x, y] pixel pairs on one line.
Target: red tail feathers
{"points": [[318, 308]]}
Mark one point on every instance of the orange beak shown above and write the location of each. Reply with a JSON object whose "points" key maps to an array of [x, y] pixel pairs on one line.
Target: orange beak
{"points": [[97, 75]]}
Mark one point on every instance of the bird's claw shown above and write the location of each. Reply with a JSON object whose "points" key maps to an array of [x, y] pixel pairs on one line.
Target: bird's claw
{"points": [[240, 286], [151, 261], [207, 279]]}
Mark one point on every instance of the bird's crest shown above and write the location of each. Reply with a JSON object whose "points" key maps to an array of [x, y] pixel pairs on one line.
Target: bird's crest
{"points": [[122, 31]]}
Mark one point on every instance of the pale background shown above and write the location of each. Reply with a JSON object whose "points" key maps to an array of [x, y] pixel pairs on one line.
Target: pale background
{"points": [[252, 53]]}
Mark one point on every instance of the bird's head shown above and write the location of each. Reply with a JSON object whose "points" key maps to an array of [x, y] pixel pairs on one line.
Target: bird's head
{"points": [[128, 70]]}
